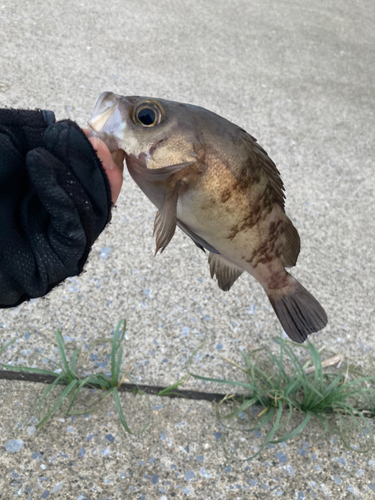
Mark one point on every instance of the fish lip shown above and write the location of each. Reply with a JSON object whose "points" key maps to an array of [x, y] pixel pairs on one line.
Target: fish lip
{"points": [[103, 109], [106, 105], [106, 121], [98, 123]]}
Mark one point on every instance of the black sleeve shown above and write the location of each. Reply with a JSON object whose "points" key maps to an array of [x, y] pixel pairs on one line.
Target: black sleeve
{"points": [[55, 200]]}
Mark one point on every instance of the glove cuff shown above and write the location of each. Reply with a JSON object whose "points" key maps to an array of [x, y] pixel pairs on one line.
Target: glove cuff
{"points": [[25, 127]]}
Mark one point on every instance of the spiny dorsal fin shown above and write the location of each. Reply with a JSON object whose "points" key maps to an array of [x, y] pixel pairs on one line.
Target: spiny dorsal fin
{"points": [[260, 161]]}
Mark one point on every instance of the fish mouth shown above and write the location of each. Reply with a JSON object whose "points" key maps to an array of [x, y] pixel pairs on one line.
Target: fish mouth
{"points": [[107, 122], [103, 111]]}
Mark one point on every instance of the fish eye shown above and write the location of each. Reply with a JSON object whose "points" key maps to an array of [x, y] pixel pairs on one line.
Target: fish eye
{"points": [[147, 114]]}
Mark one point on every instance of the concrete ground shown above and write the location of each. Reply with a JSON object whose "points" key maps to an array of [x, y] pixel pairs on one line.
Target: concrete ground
{"points": [[299, 76]]}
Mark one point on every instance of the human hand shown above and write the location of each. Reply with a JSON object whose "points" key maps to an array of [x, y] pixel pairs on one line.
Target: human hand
{"points": [[57, 189], [113, 164]]}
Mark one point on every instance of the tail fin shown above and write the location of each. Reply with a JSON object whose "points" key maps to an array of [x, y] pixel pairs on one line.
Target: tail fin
{"points": [[298, 312]]}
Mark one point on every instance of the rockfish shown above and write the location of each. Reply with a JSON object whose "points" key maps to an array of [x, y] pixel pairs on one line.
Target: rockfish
{"points": [[211, 178]]}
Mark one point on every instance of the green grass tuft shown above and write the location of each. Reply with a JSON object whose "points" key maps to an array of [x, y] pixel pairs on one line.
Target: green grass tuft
{"points": [[275, 386], [282, 386], [74, 383]]}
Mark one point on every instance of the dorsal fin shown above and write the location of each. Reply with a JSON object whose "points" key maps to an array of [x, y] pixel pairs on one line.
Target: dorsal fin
{"points": [[292, 244], [260, 161]]}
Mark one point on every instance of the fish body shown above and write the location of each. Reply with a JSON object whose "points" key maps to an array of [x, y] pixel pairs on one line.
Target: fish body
{"points": [[209, 177]]}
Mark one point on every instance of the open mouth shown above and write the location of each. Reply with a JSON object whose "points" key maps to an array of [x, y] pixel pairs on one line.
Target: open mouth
{"points": [[107, 123]]}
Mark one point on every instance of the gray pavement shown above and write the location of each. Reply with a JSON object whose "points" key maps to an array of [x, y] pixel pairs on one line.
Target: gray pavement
{"points": [[299, 76]]}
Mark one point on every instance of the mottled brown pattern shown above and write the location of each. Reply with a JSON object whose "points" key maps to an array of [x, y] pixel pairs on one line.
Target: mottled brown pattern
{"points": [[190, 176], [262, 163], [270, 248], [246, 178], [260, 205], [278, 280], [225, 195], [247, 222], [258, 179]]}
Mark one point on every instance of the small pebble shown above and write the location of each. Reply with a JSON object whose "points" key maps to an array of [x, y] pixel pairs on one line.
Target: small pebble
{"points": [[13, 445], [189, 475], [57, 487], [204, 473], [282, 458]]}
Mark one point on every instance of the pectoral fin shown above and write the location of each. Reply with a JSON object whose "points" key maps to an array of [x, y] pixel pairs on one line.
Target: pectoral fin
{"points": [[166, 219], [137, 167], [226, 272]]}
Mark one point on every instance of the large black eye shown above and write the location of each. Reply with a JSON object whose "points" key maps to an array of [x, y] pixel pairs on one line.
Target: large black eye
{"points": [[147, 116], [148, 113]]}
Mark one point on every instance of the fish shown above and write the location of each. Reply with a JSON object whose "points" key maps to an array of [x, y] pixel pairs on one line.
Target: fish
{"points": [[212, 179]]}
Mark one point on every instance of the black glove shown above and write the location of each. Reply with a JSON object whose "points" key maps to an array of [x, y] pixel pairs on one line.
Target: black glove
{"points": [[55, 200]]}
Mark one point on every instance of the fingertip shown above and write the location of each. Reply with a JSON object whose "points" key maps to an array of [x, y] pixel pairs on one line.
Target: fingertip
{"points": [[101, 150], [94, 142]]}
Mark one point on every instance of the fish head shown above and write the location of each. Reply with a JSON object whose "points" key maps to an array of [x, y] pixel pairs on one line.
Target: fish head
{"points": [[157, 129]]}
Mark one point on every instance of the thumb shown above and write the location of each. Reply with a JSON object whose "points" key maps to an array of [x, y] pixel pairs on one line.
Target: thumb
{"points": [[112, 164]]}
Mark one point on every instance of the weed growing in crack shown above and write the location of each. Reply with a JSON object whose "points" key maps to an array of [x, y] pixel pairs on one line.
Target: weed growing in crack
{"points": [[74, 384], [282, 386]]}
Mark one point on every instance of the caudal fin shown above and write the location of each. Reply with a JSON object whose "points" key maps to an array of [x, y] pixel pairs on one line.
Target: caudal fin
{"points": [[299, 312]]}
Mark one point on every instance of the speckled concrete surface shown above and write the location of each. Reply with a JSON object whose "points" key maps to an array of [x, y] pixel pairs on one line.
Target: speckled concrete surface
{"points": [[299, 77], [91, 457]]}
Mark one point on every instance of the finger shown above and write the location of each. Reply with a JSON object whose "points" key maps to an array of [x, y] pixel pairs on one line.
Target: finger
{"points": [[112, 170], [118, 156]]}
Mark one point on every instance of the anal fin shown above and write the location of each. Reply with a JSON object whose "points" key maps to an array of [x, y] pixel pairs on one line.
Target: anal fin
{"points": [[226, 273]]}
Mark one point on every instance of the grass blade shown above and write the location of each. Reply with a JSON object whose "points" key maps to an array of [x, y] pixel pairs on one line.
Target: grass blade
{"points": [[271, 433], [117, 339], [119, 409], [74, 361], [169, 390], [296, 431], [60, 343], [64, 394]]}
